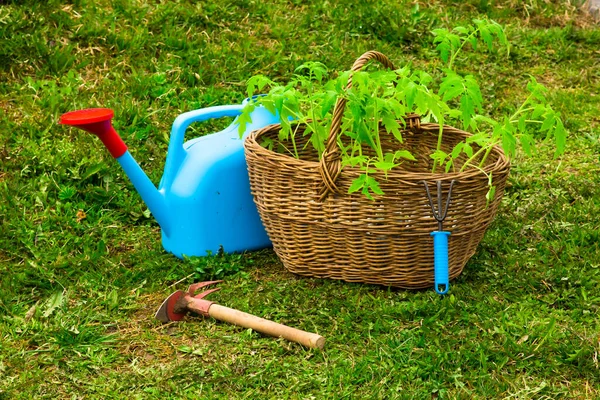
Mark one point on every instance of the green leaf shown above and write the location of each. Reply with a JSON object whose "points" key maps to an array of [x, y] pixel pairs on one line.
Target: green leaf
{"points": [[537, 90], [383, 77], [424, 78], [527, 143], [449, 165], [422, 100], [327, 102], [397, 109], [354, 161], [497, 30], [315, 69], [362, 133], [257, 81], [454, 40], [245, 118], [392, 126], [560, 137], [468, 150], [93, 170], [439, 34], [269, 105], [450, 79], [267, 143], [538, 111], [472, 89], [373, 185], [452, 93], [365, 191], [444, 49], [484, 119], [54, 302], [435, 108], [411, 94], [457, 150], [461, 29], [486, 36], [468, 109], [308, 130], [473, 42], [521, 124], [548, 122], [384, 166], [357, 184], [404, 154], [439, 157], [509, 142], [316, 139], [285, 130]]}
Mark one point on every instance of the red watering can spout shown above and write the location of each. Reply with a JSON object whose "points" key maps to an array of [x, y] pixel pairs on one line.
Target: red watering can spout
{"points": [[98, 122]]}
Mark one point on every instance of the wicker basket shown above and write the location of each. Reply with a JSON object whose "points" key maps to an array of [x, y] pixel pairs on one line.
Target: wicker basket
{"points": [[320, 230]]}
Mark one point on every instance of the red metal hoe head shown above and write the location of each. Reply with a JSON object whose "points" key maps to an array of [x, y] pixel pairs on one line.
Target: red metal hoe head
{"points": [[175, 307], [166, 312]]}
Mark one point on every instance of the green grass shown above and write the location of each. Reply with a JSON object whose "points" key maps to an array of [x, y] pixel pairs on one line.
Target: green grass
{"points": [[83, 271]]}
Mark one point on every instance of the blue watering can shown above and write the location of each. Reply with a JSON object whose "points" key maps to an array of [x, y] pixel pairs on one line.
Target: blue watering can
{"points": [[203, 202]]}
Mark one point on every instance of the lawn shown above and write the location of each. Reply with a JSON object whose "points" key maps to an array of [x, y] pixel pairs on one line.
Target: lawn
{"points": [[82, 269]]}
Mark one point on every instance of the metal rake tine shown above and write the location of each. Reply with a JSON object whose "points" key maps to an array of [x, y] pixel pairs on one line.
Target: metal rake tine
{"points": [[430, 200], [445, 212], [206, 293], [441, 213], [195, 286]]}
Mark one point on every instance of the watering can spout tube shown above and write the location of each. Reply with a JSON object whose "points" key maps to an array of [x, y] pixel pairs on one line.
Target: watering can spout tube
{"points": [[152, 197]]}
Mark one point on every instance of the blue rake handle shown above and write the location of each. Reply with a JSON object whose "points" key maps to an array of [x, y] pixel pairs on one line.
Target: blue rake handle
{"points": [[440, 261]]}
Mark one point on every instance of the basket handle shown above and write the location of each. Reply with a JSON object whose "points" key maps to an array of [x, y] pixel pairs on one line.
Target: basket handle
{"points": [[330, 164]]}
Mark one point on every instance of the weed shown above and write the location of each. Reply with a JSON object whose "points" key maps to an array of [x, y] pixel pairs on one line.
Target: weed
{"points": [[219, 266]]}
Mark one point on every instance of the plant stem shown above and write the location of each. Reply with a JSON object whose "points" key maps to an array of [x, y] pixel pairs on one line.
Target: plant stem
{"points": [[485, 156], [439, 144], [294, 142], [473, 157], [379, 150], [520, 110], [529, 121], [319, 147], [293, 133], [460, 48]]}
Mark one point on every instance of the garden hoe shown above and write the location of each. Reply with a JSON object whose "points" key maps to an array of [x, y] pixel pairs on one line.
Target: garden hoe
{"points": [[177, 305]]}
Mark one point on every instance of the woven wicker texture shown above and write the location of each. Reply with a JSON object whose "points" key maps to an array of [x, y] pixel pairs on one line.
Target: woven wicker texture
{"points": [[320, 230]]}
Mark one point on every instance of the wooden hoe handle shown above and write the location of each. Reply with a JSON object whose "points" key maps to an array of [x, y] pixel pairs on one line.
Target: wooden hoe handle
{"points": [[179, 303], [265, 326]]}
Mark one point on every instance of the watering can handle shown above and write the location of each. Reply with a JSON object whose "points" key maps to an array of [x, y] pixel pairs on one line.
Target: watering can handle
{"points": [[186, 119], [183, 121]]}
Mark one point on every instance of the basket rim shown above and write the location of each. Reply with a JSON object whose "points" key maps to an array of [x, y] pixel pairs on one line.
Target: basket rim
{"points": [[251, 144]]}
